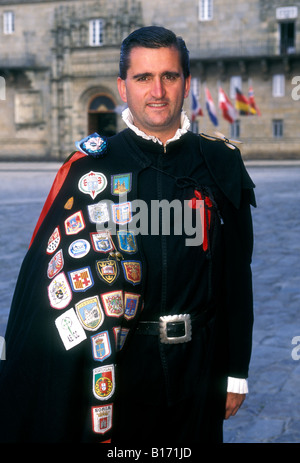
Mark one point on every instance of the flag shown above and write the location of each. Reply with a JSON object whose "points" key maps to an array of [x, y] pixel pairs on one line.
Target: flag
{"points": [[253, 108], [211, 107], [229, 112], [241, 103], [196, 108]]}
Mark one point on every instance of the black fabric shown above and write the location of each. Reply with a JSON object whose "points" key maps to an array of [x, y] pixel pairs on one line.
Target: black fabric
{"points": [[46, 391]]}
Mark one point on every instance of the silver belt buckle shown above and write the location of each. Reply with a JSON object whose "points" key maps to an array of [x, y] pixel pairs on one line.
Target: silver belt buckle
{"points": [[163, 322]]}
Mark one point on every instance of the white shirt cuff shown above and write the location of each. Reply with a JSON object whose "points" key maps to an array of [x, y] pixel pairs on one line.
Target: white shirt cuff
{"points": [[237, 385]]}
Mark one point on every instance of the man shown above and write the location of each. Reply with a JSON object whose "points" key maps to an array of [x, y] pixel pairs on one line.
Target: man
{"points": [[127, 326]]}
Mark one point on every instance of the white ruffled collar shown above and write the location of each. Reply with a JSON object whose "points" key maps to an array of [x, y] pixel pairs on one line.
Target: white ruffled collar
{"points": [[184, 126]]}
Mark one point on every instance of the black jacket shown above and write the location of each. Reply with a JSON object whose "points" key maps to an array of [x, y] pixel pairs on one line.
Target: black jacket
{"points": [[51, 392]]}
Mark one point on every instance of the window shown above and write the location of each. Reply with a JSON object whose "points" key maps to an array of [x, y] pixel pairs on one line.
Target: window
{"points": [[277, 128], [287, 37], [205, 10], [96, 32], [8, 22], [278, 87], [235, 83]]}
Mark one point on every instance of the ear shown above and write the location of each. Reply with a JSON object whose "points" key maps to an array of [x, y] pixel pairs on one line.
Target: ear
{"points": [[187, 86], [122, 89]]}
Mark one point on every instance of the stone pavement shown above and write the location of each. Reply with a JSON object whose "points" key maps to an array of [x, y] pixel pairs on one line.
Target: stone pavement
{"points": [[271, 411]]}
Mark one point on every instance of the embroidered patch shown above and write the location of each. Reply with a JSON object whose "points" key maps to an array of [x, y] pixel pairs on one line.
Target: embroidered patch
{"points": [[53, 241], [122, 213], [102, 418], [131, 302], [70, 330], [59, 292], [92, 183], [69, 204], [74, 224], [132, 271], [101, 348], [56, 264], [92, 144], [104, 382], [120, 337], [79, 248], [98, 213], [120, 184], [127, 241], [102, 241], [81, 279], [113, 303], [107, 270], [90, 313]]}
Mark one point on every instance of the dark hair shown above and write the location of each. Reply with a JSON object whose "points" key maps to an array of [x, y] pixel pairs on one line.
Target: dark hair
{"points": [[152, 37]]}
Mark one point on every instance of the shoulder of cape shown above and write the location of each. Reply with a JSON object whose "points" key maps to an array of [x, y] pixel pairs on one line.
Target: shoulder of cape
{"points": [[92, 145], [226, 166]]}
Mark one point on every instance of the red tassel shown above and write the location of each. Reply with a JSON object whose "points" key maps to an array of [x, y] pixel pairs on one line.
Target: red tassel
{"points": [[206, 216]]}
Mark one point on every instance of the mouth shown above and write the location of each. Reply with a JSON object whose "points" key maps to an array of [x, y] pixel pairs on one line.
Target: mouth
{"points": [[157, 105]]}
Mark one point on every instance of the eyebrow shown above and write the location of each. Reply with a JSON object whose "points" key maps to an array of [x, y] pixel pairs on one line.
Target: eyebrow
{"points": [[150, 74]]}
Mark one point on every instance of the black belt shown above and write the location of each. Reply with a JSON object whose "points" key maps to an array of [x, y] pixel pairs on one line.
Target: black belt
{"points": [[172, 329]]}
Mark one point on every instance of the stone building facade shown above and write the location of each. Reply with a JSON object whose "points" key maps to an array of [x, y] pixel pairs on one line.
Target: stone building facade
{"points": [[59, 64]]}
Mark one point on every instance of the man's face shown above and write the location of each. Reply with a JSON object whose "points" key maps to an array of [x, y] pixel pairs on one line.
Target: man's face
{"points": [[154, 90]]}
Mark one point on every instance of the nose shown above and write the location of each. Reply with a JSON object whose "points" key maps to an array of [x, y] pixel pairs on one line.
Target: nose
{"points": [[157, 89]]}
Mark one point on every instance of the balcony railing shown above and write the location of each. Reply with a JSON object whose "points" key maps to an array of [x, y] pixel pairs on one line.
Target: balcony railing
{"points": [[242, 48]]}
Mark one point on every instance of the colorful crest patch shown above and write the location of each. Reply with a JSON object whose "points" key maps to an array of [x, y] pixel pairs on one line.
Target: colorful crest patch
{"points": [[56, 264], [127, 241], [74, 224], [132, 271], [102, 418], [131, 302], [90, 313], [70, 330], [98, 213], [81, 279], [53, 241], [113, 303], [120, 184], [92, 183], [122, 213], [107, 269], [79, 248], [101, 346], [59, 292], [104, 382], [102, 241], [92, 144]]}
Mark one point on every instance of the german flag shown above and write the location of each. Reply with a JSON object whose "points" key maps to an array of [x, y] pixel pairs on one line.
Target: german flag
{"points": [[242, 103]]}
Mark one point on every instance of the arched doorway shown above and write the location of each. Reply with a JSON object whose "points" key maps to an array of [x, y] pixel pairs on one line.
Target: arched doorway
{"points": [[102, 117]]}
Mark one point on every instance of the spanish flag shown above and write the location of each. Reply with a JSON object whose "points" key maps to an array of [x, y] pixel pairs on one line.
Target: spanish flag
{"points": [[242, 103]]}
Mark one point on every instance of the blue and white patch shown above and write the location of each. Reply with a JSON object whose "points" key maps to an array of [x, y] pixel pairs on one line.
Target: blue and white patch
{"points": [[101, 347], [79, 248], [122, 213], [93, 145], [98, 213], [102, 241]]}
